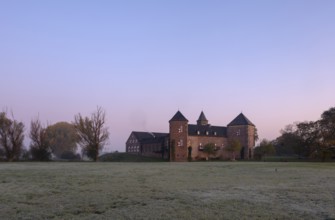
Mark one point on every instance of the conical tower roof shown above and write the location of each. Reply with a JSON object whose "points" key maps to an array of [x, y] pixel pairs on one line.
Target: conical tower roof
{"points": [[202, 119], [178, 117], [241, 120]]}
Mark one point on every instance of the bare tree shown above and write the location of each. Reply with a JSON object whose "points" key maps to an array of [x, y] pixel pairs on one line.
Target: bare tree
{"points": [[11, 136], [39, 146], [92, 133]]}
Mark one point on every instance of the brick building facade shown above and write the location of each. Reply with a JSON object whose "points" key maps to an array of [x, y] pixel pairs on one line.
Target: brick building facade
{"points": [[185, 141], [151, 144]]}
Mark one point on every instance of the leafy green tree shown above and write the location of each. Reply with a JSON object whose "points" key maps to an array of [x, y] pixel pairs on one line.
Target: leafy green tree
{"points": [[301, 139], [288, 144], [234, 146], [313, 138], [92, 133], [62, 137], [39, 146], [209, 149], [326, 148], [327, 127], [309, 132], [265, 148], [11, 137]]}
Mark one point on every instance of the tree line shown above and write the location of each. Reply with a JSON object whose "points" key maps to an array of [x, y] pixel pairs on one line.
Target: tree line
{"points": [[60, 139], [309, 139]]}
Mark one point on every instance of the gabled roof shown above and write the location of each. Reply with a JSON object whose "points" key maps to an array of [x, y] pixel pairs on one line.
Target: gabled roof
{"points": [[178, 117], [241, 120], [141, 135], [202, 117], [201, 130]]}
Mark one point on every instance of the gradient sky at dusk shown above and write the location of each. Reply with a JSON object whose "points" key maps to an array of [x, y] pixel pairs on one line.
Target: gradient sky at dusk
{"points": [[143, 60]]}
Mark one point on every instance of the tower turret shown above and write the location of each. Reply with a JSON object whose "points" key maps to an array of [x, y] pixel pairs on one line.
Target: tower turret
{"points": [[202, 119], [178, 137], [243, 130]]}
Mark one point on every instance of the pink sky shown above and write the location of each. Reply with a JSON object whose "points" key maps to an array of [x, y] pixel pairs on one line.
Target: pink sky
{"points": [[142, 61]]}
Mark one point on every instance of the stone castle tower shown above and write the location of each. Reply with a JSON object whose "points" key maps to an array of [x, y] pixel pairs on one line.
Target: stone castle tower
{"points": [[243, 130], [178, 137], [187, 140]]}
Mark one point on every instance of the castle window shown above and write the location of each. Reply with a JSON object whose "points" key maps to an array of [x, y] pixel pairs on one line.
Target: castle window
{"points": [[180, 143], [180, 130], [238, 132]]}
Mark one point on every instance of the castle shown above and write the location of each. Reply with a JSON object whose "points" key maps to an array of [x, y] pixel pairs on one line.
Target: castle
{"points": [[187, 141]]}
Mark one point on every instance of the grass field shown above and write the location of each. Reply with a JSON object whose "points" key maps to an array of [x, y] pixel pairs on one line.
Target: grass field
{"points": [[198, 190], [126, 157]]}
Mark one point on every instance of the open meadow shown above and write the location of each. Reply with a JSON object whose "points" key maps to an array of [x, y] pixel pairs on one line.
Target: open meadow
{"points": [[197, 190]]}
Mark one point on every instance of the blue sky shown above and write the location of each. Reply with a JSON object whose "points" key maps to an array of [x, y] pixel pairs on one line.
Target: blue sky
{"points": [[143, 60]]}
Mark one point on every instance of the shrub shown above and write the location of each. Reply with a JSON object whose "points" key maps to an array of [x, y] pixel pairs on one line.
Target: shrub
{"points": [[69, 155]]}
